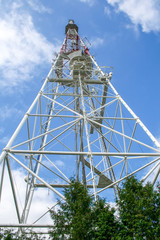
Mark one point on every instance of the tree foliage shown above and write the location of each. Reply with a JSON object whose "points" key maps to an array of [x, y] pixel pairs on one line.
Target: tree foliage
{"points": [[106, 226], [73, 220], [11, 234], [80, 217], [139, 210]]}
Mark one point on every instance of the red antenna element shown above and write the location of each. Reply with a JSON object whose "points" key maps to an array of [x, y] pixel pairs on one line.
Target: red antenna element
{"points": [[72, 42], [74, 53], [78, 125]]}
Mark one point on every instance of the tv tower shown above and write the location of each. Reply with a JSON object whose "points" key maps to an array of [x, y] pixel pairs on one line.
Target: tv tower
{"points": [[78, 126]]}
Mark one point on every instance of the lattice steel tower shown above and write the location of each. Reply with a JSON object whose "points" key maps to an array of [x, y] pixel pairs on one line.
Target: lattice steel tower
{"points": [[78, 118]]}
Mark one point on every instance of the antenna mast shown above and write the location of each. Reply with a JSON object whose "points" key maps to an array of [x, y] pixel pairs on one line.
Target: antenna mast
{"points": [[78, 125]]}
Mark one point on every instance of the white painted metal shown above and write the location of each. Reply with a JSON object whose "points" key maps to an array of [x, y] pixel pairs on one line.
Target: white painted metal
{"points": [[88, 139], [127, 107], [78, 121], [24, 152], [35, 175], [128, 175]]}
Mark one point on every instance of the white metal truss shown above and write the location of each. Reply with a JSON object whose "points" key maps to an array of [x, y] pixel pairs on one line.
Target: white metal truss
{"points": [[78, 118]]}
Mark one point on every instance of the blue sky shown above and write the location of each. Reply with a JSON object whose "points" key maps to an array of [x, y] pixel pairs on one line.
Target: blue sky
{"points": [[124, 34]]}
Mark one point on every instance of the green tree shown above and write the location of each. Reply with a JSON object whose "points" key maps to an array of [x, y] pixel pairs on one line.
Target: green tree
{"points": [[139, 211], [106, 225], [11, 234], [73, 220], [6, 234], [80, 218]]}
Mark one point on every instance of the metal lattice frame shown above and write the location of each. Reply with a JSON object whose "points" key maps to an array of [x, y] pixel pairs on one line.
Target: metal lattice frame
{"points": [[78, 117]]}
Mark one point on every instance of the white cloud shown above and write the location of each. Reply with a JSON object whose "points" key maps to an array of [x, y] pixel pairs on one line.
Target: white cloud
{"points": [[7, 112], [4, 140], [16, 4], [107, 11], [1, 130], [89, 2], [43, 200], [36, 5], [96, 42], [141, 12], [134, 28], [58, 163], [22, 48]]}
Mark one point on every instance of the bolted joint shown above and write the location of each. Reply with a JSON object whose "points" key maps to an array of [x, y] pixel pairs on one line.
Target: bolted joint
{"points": [[7, 150]]}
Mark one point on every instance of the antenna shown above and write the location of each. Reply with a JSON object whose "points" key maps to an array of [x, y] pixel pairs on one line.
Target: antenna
{"points": [[78, 125]]}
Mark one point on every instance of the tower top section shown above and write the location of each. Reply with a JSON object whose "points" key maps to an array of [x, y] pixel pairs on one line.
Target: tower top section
{"points": [[71, 26], [72, 39]]}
